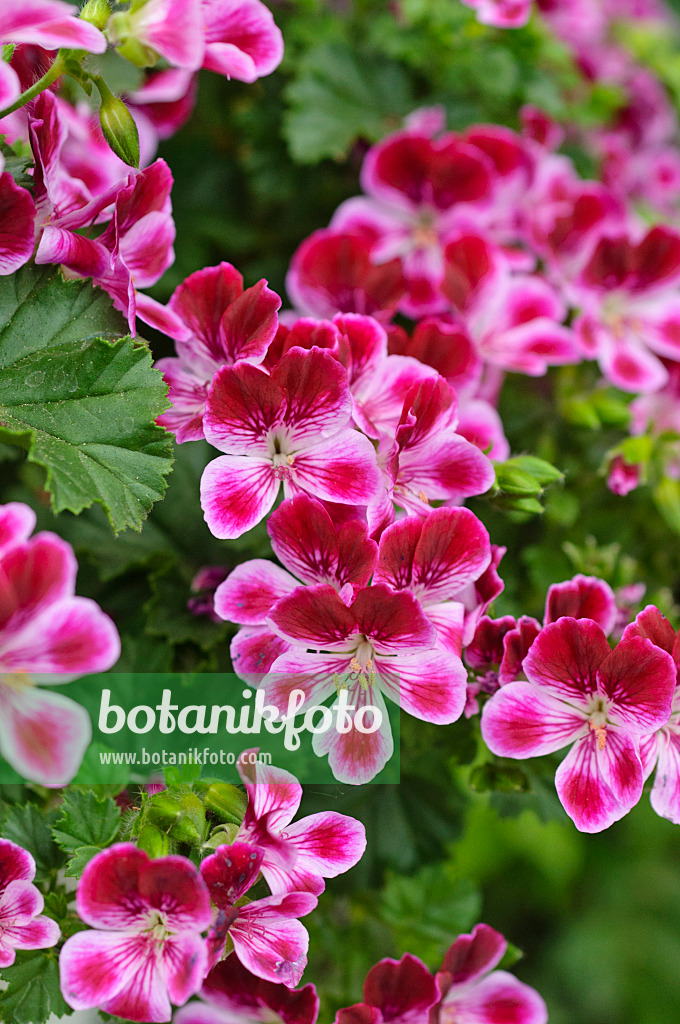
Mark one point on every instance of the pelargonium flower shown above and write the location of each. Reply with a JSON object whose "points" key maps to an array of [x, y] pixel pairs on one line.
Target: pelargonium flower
{"points": [[242, 40], [144, 949], [378, 382], [296, 856], [579, 691], [515, 321], [50, 24], [331, 272], [381, 643], [232, 995], [22, 922], [291, 426], [395, 992], [417, 187], [436, 558], [167, 28], [472, 990], [226, 324], [17, 216], [501, 13], [428, 459], [630, 308], [313, 550], [48, 636], [484, 655], [267, 937], [661, 749]]}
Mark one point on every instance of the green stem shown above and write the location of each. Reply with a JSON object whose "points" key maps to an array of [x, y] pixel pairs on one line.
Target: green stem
{"points": [[51, 75]]}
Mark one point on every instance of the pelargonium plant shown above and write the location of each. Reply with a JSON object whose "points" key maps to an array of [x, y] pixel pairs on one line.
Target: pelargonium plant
{"points": [[386, 453]]}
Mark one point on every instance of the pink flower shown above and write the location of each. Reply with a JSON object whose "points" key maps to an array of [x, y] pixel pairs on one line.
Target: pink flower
{"points": [[226, 324], [436, 558], [428, 459], [242, 40], [581, 692], [484, 654], [169, 28], [623, 477], [22, 923], [291, 427], [17, 216], [501, 13], [661, 749], [296, 856], [47, 635], [146, 949], [515, 321], [314, 550], [417, 187], [331, 272], [50, 24], [232, 995], [395, 992], [164, 101], [268, 939], [472, 990], [381, 643], [631, 307]]}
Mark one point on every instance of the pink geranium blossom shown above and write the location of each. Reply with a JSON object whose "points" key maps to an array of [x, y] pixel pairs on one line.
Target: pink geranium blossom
{"points": [[17, 216], [296, 856], [232, 995], [379, 643], [291, 427], [267, 937], [226, 324], [50, 24], [395, 992], [22, 923], [472, 990], [242, 41], [578, 691], [144, 948], [168, 28], [313, 550], [630, 307], [501, 13], [47, 635]]}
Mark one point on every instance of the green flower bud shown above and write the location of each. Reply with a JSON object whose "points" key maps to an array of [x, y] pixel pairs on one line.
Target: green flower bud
{"points": [[191, 824], [118, 125], [164, 810], [542, 471], [120, 32], [153, 841], [224, 835], [97, 12], [228, 803], [512, 480]]}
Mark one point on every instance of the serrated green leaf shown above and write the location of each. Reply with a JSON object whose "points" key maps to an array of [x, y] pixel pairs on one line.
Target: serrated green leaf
{"points": [[86, 820], [80, 857], [83, 406], [33, 993], [29, 826]]}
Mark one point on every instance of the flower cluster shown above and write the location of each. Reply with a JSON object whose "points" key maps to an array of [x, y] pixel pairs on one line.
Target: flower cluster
{"points": [[48, 636]]}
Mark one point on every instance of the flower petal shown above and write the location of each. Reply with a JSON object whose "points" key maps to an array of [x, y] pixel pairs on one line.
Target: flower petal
{"points": [[639, 678], [473, 955], [598, 786], [525, 720], [251, 590], [564, 658], [430, 686], [498, 997], [341, 469], [356, 757], [403, 990], [236, 493], [44, 736]]}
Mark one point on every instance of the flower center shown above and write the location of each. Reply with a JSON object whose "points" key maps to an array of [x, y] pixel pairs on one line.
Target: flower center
{"points": [[16, 681], [361, 668], [157, 927], [598, 720], [282, 459]]}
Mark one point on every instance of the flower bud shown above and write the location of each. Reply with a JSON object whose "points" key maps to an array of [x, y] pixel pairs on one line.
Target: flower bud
{"points": [[164, 810], [228, 803], [118, 125], [512, 480], [152, 841], [120, 32], [224, 835], [191, 824], [97, 12]]}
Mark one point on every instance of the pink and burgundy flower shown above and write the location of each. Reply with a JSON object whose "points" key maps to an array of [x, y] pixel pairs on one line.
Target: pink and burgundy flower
{"points": [[47, 635], [471, 989], [313, 549], [332, 272], [50, 24], [380, 643], [17, 217], [22, 922], [601, 701], [296, 856], [232, 995], [630, 307], [226, 324], [395, 992], [436, 559], [501, 13], [242, 41], [267, 936], [144, 950], [292, 426], [163, 28]]}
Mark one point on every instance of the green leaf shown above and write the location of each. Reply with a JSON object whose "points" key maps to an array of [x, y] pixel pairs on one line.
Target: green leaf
{"points": [[33, 993], [79, 859], [337, 98], [29, 826], [86, 820], [83, 406]]}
